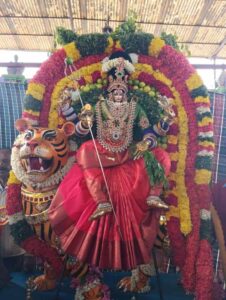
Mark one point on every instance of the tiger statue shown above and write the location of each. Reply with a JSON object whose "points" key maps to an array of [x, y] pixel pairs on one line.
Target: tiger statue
{"points": [[40, 159]]}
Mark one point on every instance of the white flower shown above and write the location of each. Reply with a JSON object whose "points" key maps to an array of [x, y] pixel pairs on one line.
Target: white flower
{"points": [[202, 109], [206, 134], [134, 58], [113, 63], [205, 214], [205, 153], [106, 59]]}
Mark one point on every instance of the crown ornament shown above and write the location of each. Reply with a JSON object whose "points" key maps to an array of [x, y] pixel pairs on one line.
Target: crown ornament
{"points": [[120, 78], [120, 83]]}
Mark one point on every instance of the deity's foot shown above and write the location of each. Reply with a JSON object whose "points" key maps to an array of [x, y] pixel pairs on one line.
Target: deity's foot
{"points": [[138, 282], [102, 209], [156, 202]]}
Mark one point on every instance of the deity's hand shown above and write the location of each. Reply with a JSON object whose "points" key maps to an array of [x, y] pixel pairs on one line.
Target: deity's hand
{"points": [[169, 115], [87, 116], [141, 148], [102, 209], [166, 105]]}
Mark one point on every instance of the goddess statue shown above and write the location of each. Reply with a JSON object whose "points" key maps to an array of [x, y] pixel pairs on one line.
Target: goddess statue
{"points": [[106, 212]]}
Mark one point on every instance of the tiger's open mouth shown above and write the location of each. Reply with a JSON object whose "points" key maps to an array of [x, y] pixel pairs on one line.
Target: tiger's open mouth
{"points": [[36, 164]]}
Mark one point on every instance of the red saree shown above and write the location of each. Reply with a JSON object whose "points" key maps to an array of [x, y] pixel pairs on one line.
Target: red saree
{"points": [[119, 241]]}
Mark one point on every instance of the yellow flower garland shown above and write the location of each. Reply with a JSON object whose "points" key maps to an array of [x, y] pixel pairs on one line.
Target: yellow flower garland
{"points": [[172, 139], [32, 112], [207, 144], [12, 178], [201, 99], [183, 199], [156, 46], [205, 121], [72, 51], [174, 156], [88, 78], [194, 82], [203, 176], [143, 68], [161, 77], [110, 46], [118, 44], [135, 75], [36, 90]]}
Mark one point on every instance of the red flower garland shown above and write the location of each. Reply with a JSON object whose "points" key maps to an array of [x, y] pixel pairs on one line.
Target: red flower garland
{"points": [[39, 248], [204, 273], [13, 199]]}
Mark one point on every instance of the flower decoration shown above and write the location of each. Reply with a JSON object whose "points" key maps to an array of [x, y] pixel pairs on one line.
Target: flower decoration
{"points": [[72, 52], [117, 62], [189, 142], [91, 285], [156, 46]]}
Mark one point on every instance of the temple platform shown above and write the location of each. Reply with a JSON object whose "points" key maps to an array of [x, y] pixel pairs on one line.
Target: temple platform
{"points": [[171, 290]]}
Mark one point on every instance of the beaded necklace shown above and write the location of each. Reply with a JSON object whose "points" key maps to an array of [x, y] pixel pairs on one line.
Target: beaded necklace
{"points": [[115, 124]]}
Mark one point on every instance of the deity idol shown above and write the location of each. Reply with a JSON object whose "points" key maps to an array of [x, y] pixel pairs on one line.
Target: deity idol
{"points": [[106, 212]]}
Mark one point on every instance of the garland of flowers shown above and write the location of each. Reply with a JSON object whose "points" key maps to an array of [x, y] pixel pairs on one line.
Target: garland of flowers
{"points": [[87, 286], [169, 72], [173, 150], [196, 199], [113, 63]]}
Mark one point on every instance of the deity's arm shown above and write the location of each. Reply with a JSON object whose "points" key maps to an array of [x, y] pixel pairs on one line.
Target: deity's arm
{"points": [[83, 121], [157, 157], [155, 131], [148, 134], [162, 127]]}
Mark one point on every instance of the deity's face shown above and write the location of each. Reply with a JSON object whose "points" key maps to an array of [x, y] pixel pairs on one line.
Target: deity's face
{"points": [[118, 96], [4, 165]]}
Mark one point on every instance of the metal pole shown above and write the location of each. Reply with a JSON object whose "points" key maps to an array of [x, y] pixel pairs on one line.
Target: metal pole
{"points": [[217, 264]]}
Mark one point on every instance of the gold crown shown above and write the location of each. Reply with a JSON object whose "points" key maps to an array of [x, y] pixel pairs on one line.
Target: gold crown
{"points": [[117, 84]]}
